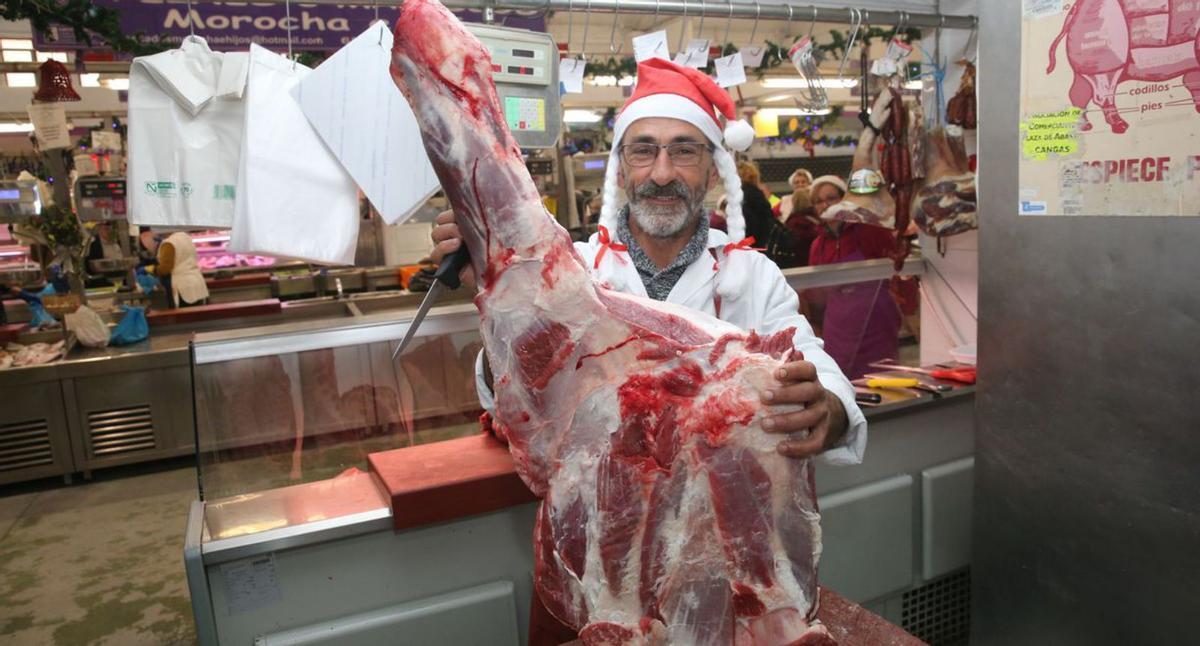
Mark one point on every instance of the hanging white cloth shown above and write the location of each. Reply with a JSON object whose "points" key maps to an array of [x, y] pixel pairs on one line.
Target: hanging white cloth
{"points": [[294, 199]]}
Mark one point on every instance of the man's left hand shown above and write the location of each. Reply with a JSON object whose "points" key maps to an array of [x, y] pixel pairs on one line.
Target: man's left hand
{"points": [[820, 426]]}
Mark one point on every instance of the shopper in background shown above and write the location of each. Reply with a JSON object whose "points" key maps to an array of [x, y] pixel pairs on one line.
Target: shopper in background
{"points": [[769, 235], [179, 270], [860, 322], [800, 181]]}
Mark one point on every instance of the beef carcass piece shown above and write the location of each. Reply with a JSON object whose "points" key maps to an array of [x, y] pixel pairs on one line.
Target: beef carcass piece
{"points": [[945, 204], [667, 514]]}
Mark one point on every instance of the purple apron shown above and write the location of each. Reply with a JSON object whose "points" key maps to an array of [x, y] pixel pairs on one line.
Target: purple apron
{"points": [[861, 325]]}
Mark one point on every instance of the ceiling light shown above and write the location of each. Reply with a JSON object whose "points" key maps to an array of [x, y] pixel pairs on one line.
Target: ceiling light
{"points": [[15, 127], [121, 83], [792, 112], [800, 82], [16, 43], [21, 79], [580, 116], [776, 97], [89, 79]]}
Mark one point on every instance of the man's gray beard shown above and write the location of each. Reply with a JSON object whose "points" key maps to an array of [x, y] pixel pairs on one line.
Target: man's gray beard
{"points": [[665, 221]]}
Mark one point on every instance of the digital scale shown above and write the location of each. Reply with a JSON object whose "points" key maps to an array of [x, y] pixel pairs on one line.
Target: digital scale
{"points": [[101, 199], [104, 199], [19, 200], [525, 70]]}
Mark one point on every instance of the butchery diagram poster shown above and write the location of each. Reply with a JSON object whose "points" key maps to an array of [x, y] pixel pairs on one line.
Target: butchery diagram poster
{"points": [[1110, 107]]}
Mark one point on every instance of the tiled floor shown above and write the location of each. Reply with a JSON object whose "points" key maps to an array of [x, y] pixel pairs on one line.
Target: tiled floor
{"points": [[98, 562]]}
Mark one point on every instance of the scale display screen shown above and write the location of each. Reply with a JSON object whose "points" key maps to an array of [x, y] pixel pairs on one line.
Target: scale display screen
{"points": [[593, 164], [8, 194], [525, 113]]}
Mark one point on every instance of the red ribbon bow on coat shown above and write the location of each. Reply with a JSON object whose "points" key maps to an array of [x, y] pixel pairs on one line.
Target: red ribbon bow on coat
{"points": [[607, 243], [745, 244]]}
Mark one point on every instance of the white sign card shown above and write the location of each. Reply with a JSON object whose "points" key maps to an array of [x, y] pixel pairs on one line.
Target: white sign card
{"points": [[695, 55], [730, 71], [1042, 8], [752, 55], [50, 125], [570, 74], [651, 45], [104, 140]]}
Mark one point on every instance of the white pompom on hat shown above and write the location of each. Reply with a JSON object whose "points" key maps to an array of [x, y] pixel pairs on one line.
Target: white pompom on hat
{"points": [[665, 89]]}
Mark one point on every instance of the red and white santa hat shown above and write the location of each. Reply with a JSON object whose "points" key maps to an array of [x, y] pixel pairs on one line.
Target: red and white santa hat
{"points": [[665, 89]]}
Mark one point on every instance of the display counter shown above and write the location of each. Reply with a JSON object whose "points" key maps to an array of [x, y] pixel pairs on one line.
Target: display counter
{"points": [[99, 408]]}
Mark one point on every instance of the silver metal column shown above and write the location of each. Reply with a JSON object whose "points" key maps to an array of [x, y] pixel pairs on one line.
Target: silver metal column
{"points": [[1087, 501]]}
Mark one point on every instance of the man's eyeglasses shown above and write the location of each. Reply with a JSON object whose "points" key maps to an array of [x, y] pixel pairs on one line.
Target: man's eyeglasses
{"points": [[681, 154]]}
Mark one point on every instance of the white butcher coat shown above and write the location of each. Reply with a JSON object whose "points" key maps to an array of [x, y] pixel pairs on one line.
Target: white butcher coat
{"points": [[754, 295]]}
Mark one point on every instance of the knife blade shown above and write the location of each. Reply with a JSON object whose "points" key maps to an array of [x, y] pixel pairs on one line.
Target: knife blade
{"points": [[446, 277]]}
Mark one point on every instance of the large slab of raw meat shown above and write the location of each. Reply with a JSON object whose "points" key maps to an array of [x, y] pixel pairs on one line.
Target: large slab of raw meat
{"points": [[667, 515]]}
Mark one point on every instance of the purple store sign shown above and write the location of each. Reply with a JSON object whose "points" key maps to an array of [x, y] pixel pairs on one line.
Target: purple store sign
{"points": [[234, 25]]}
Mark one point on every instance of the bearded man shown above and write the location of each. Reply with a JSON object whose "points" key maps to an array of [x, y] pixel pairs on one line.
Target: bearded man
{"points": [[667, 154]]}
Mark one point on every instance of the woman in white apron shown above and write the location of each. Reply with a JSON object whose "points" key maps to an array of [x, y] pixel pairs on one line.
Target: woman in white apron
{"points": [[181, 273]]}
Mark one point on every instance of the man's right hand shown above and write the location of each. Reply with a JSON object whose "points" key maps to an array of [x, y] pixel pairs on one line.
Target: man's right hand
{"points": [[446, 240]]}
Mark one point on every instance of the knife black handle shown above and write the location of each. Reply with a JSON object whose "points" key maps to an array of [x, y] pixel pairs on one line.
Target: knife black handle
{"points": [[452, 265]]}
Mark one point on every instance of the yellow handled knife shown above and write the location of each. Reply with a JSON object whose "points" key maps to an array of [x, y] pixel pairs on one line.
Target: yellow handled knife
{"points": [[892, 382]]}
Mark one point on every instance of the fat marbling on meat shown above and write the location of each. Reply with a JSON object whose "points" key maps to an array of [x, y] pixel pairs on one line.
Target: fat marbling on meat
{"points": [[667, 515]]}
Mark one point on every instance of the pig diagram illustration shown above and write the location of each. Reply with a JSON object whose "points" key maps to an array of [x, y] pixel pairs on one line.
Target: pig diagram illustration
{"points": [[1111, 41]]}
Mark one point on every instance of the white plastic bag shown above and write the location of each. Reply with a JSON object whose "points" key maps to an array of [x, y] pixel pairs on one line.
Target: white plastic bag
{"points": [[185, 135], [294, 198], [90, 330]]}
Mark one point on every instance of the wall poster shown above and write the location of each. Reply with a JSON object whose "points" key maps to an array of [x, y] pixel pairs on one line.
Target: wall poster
{"points": [[1110, 107]]}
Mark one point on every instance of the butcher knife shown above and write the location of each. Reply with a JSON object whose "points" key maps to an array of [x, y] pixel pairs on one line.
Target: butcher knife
{"points": [[446, 277]]}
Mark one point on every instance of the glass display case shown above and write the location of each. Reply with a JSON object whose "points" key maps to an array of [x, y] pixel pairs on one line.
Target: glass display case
{"points": [[212, 253], [286, 415]]}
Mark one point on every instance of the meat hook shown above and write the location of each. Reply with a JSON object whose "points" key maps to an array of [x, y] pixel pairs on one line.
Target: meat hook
{"points": [[757, 13], [728, 24], [612, 36]]}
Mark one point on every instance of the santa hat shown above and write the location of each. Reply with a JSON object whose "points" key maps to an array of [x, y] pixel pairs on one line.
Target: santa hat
{"points": [[832, 180], [665, 89]]}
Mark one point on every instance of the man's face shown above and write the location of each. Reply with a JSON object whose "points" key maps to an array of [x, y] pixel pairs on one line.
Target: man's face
{"points": [[665, 197]]}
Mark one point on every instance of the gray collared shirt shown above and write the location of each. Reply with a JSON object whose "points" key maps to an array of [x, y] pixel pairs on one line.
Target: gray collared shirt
{"points": [[660, 282]]}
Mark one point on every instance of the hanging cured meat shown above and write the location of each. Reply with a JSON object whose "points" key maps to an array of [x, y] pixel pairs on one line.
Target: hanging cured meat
{"points": [[945, 204], [896, 166], [960, 111]]}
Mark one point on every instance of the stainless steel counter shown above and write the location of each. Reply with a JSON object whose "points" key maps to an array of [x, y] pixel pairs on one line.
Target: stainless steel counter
{"points": [[117, 405]]}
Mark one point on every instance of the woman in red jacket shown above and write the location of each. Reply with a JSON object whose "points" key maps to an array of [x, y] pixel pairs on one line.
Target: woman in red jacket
{"points": [[860, 322]]}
